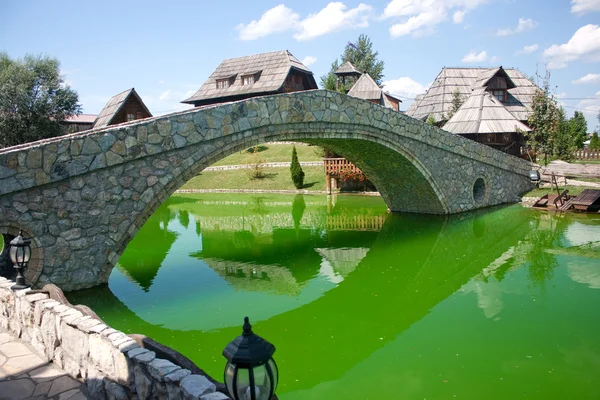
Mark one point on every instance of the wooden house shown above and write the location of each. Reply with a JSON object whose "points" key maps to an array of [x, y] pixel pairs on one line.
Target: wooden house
{"points": [[124, 107], [250, 76], [79, 123], [495, 105]]}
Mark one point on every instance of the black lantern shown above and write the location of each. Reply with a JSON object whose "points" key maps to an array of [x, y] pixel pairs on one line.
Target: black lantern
{"points": [[251, 372], [20, 253]]}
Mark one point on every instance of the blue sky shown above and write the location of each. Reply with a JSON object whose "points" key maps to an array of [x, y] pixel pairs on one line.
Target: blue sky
{"points": [[166, 50]]}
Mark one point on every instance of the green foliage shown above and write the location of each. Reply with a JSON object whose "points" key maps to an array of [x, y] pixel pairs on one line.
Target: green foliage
{"points": [[430, 120], [544, 120], [296, 170], [362, 56], [330, 82], [457, 101], [564, 141], [594, 142], [578, 129], [34, 99]]}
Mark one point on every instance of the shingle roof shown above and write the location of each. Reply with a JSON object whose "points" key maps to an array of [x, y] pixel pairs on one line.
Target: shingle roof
{"points": [[437, 101], [366, 88], [347, 69], [81, 119], [271, 69], [113, 107], [483, 113]]}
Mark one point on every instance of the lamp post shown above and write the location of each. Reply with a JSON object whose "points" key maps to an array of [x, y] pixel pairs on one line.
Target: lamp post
{"points": [[251, 372], [20, 253]]}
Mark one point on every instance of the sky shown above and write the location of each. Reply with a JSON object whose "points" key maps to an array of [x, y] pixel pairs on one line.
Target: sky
{"points": [[166, 50]]}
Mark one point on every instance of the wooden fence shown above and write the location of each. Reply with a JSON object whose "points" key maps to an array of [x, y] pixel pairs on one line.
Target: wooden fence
{"points": [[334, 166], [587, 154]]}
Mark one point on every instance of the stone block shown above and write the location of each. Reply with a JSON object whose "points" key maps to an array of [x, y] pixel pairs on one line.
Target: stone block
{"points": [[114, 391], [194, 386], [74, 343], [214, 396], [143, 384], [158, 368]]}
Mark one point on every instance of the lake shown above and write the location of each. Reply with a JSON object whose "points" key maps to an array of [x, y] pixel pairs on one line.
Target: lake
{"points": [[362, 304]]}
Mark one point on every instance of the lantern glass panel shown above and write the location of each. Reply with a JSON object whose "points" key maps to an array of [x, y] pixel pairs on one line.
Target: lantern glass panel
{"points": [[13, 254], [229, 376], [262, 382], [26, 254], [243, 384], [271, 363]]}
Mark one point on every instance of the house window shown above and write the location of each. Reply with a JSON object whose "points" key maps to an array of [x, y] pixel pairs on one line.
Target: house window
{"points": [[222, 83], [130, 117], [247, 80], [499, 94]]}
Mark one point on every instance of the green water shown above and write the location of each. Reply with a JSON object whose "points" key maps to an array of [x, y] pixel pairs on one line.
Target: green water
{"points": [[497, 304]]}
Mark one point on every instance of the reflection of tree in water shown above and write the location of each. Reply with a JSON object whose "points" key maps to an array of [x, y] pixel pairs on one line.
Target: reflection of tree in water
{"points": [[258, 206], [541, 238], [298, 207], [184, 218]]}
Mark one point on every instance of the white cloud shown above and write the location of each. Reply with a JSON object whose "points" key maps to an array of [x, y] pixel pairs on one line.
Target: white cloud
{"points": [[459, 16], [583, 6], [527, 49], [334, 17], [166, 95], [598, 93], [309, 60], [524, 25], [589, 78], [584, 44], [474, 57], [404, 86], [420, 17], [278, 19]]}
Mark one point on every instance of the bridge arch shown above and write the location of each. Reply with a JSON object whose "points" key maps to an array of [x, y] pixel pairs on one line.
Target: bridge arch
{"points": [[84, 196]]}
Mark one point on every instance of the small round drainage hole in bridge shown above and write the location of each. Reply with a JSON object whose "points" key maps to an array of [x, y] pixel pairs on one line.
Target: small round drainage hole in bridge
{"points": [[479, 189]]}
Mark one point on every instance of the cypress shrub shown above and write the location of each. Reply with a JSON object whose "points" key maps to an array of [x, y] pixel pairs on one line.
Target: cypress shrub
{"points": [[296, 170], [595, 142]]}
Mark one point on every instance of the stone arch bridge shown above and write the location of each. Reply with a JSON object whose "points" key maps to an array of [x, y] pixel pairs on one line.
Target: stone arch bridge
{"points": [[82, 197]]}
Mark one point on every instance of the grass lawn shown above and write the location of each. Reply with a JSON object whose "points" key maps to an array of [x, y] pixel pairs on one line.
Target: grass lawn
{"points": [[273, 153], [573, 190], [586, 162], [276, 179]]}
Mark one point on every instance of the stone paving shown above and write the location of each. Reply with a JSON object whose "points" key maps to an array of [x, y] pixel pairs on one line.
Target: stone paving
{"points": [[26, 375]]}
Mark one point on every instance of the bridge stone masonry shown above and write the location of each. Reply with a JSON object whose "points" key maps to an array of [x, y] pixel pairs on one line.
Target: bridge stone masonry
{"points": [[82, 197]]}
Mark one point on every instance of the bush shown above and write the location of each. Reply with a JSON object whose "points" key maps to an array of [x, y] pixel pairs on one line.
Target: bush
{"points": [[296, 170], [256, 169]]}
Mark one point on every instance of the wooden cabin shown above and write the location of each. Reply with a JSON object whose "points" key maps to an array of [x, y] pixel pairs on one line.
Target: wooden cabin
{"points": [[495, 105], [79, 123], [124, 107], [251, 76]]}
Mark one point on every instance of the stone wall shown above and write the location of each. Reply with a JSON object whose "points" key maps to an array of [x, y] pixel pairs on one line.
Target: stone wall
{"points": [[109, 362]]}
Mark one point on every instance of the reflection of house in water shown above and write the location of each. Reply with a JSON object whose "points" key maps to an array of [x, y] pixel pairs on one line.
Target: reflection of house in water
{"points": [[340, 262], [252, 277]]}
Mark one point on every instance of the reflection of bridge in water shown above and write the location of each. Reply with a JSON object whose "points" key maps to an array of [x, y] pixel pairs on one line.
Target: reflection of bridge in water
{"points": [[413, 262]]}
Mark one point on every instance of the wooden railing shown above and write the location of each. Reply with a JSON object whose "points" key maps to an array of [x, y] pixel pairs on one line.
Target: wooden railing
{"points": [[587, 154], [333, 166], [355, 222]]}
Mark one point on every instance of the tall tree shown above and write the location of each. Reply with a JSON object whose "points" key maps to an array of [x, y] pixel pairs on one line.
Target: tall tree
{"points": [[362, 56], [296, 170], [594, 142], [564, 142], [457, 101], [578, 129], [34, 99], [544, 120]]}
